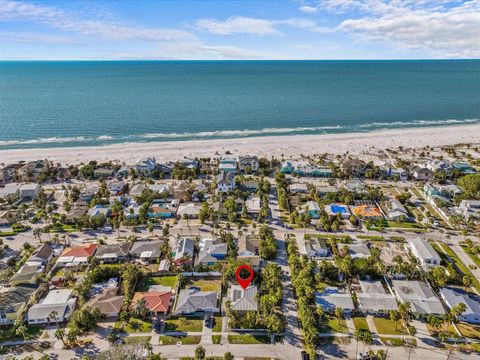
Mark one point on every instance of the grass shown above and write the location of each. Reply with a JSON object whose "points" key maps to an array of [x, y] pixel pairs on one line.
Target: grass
{"points": [[371, 237], [217, 324], [387, 326], [216, 339], [469, 331], [249, 339], [182, 324], [333, 325], [134, 340], [397, 238], [170, 281], [360, 323], [397, 341], [135, 325], [183, 339], [473, 256], [204, 284], [461, 266], [8, 334], [405, 225]]}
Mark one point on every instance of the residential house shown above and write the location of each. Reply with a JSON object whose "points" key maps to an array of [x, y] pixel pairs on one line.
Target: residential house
{"points": [[108, 302], [78, 210], [424, 252], [463, 167], [111, 253], [247, 164], [137, 190], [103, 173], [98, 211], [452, 297], [248, 251], [42, 255], [9, 217], [27, 274], [312, 171], [9, 172], [243, 299], [33, 169], [315, 248], [211, 254], [287, 167], [146, 165], [469, 209], [192, 301], [190, 210], [253, 206], [298, 188], [117, 187], [29, 191], [367, 212], [250, 186], [396, 211], [225, 182], [87, 193], [184, 251], [161, 210], [13, 301], [227, 165], [146, 251], [333, 297], [374, 299], [401, 174], [60, 302], [189, 163], [160, 188], [335, 208], [358, 250], [313, 209], [157, 302], [355, 167], [437, 165], [420, 295], [76, 256], [354, 185], [420, 173], [445, 192]]}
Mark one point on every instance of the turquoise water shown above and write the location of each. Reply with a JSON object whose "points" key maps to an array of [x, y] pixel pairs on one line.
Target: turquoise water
{"points": [[47, 104]]}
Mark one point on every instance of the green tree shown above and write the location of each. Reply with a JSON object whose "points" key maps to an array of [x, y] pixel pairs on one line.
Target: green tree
{"points": [[199, 353]]}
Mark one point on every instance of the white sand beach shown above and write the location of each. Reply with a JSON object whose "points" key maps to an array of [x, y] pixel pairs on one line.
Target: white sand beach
{"points": [[288, 146]]}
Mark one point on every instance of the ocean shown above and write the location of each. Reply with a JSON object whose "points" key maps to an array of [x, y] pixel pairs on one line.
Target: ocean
{"points": [[88, 103]]}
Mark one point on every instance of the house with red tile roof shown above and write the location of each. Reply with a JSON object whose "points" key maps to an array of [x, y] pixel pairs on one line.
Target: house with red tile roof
{"points": [[158, 302], [76, 256]]}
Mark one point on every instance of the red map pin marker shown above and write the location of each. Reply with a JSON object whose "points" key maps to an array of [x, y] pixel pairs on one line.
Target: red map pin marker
{"points": [[244, 283]]}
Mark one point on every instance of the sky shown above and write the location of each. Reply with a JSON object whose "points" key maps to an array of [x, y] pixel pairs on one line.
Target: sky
{"points": [[231, 29]]}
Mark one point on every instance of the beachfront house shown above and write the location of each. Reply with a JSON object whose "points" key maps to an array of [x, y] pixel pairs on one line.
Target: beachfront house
{"points": [[146, 165], [227, 165], [248, 164]]}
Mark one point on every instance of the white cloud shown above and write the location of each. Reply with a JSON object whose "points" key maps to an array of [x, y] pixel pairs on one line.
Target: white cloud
{"points": [[255, 26], [86, 25], [308, 9], [238, 25], [35, 38]]}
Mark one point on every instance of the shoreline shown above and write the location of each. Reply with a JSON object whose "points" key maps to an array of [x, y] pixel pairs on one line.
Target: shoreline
{"points": [[290, 146]]}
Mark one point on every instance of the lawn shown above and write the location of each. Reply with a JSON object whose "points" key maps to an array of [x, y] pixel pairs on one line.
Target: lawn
{"points": [[397, 341], [8, 334], [405, 225], [397, 238], [474, 257], [387, 326], [134, 340], [204, 284], [249, 339], [360, 323], [135, 325], [184, 339], [371, 237], [183, 324], [333, 325], [217, 324], [216, 339], [170, 281], [469, 331], [463, 268]]}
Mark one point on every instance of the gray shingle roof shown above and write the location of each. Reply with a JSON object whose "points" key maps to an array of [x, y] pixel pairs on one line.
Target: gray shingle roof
{"points": [[116, 249], [420, 295], [244, 300], [192, 300]]}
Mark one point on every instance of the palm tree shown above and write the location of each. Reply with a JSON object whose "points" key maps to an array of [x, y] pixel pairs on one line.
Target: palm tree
{"points": [[404, 308], [21, 330]]}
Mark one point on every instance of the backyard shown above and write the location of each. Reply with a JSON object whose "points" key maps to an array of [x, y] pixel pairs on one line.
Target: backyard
{"points": [[169, 281], [204, 284], [387, 326]]}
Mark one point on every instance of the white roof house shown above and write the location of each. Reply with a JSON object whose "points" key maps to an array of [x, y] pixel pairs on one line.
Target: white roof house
{"points": [[192, 210], [424, 252], [396, 210], [469, 209], [332, 297], [374, 298], [59, 301], [146, 165], [420, 295], [243, 299], [453, 297], [252, 204]]}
